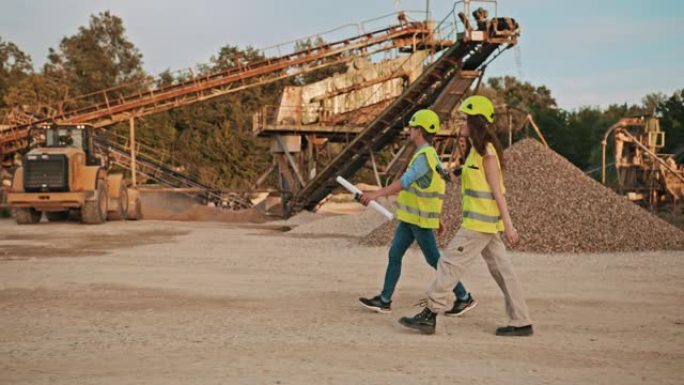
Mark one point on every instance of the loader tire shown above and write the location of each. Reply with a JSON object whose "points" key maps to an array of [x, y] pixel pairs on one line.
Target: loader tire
{"points": [[27, 216], [95, 212], [121, 211]]}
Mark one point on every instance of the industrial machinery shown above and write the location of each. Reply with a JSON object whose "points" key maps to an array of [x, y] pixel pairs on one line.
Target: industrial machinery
{"points": [[62, 174], [114, 105], [643, 174], [440, 86], [130, 101], [428, 65]]}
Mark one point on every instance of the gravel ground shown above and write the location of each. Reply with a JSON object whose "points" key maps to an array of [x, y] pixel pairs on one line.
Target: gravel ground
{"points": [[350, 225], [164, 303]]}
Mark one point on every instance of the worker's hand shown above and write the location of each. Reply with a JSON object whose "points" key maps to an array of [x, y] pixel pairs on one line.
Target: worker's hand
{"points": [[367, 197], [511, 235]]}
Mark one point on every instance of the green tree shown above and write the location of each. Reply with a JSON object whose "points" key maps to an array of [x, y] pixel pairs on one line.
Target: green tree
{"points": [[671, 111], [511, 96], [98, 57], [37, 94], [15, 66], [522, 95], [651, 101], [231, 56]]}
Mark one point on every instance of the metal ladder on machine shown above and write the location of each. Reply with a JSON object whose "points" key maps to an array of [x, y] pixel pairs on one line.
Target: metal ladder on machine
{"points": [[441, 87], [164, 174]]}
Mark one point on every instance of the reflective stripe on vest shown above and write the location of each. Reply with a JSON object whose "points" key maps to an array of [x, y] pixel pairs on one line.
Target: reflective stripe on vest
{"points": [[423, 194], [478, 194], [480, 211], [481, 217], [422, 206], [423, 214]]}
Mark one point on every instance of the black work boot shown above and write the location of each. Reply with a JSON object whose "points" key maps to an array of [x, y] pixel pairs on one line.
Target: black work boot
{"points": [[461, 307], [425, 321], [513, 331], [376, 304]]}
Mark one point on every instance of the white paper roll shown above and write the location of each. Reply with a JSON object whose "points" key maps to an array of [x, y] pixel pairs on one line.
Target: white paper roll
{"points": [[357, 193]]}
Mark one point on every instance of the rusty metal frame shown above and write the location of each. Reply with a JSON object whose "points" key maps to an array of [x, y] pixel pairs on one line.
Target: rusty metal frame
{"points": [[193, 90]]}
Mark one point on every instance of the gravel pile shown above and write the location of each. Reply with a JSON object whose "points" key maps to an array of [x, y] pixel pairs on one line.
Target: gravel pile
{"points": [[557, 208], [351, 225]]}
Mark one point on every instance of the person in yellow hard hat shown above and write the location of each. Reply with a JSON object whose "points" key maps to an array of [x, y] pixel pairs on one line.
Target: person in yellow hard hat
{"points": [[485, 216], [421, 192]]}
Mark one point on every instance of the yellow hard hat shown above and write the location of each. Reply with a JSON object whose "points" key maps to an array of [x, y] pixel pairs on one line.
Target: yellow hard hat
{"points": [[478, 105], [425, 119]]}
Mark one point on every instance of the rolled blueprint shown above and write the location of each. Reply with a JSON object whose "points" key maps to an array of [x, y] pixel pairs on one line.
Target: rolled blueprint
{"points": [[357, 194]]}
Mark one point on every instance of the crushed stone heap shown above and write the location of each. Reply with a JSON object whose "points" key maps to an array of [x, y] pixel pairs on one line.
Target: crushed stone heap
{"points": [[557, 208]]}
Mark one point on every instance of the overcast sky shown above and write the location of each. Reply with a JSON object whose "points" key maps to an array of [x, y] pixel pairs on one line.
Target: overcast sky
{"points": [[588, 52]]}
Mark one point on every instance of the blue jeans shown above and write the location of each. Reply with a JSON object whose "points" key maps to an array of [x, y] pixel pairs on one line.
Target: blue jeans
{"points": [[404, 236]]}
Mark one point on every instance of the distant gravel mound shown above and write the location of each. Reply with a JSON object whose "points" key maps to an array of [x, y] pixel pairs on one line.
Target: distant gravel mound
{"points": [[557, 208]]}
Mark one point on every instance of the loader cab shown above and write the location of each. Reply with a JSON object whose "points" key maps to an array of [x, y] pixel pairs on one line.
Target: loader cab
{"points": [[77, 136], [65, 137]]}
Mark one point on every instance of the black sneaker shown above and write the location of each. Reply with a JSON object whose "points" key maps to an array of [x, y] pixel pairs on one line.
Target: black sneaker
{"points": [[376, 304], [425, 321], [461, 307], [513, 331]]}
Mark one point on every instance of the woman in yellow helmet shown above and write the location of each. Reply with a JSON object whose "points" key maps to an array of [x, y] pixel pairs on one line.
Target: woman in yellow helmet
{"points": [[485, 216], [421, 192]]}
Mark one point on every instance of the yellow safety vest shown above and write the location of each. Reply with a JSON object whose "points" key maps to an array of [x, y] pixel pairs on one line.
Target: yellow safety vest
{"points": [[422, 206], [480, 212]]}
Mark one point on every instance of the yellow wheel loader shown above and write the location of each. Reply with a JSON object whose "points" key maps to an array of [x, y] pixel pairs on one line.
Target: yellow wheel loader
{"points": [[62, 176]]}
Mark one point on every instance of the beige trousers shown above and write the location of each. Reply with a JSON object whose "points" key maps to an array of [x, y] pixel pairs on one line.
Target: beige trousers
{"points": [[463, 249]]}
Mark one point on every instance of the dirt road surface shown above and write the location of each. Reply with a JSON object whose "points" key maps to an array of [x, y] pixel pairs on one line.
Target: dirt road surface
{"points": [[156, 302]]}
